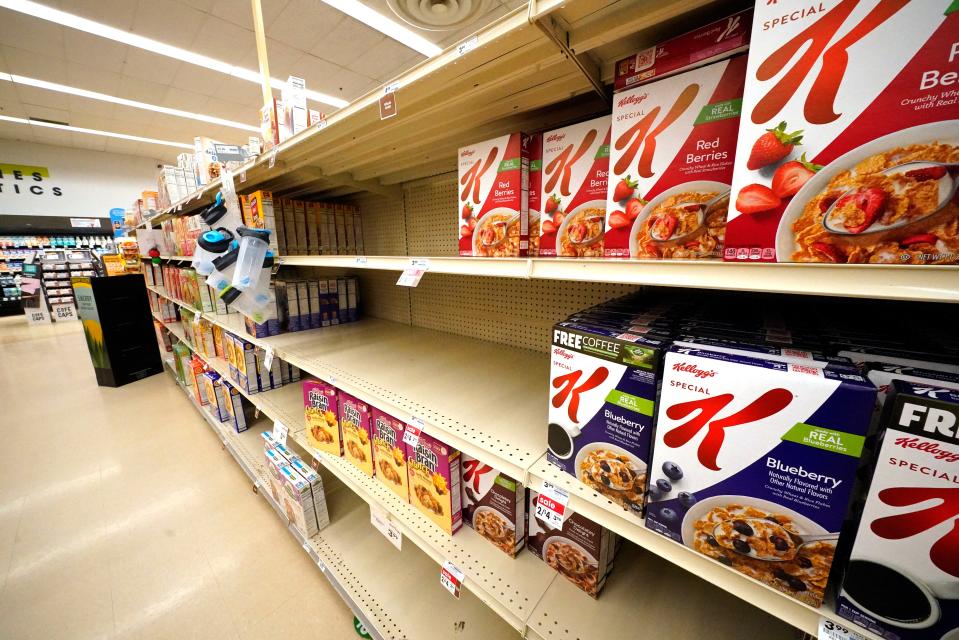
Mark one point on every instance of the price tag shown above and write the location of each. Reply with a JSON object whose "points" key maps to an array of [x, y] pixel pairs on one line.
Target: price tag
{"points": [[410, 277], [411, 435], [242, 177], [551, 506], [267, 358], [280, 432], [420, 263], [829, 630], [387, 105], [179, 207], [451, 578], [272, 158], [469, 45], [360, 259], [381, 520], [391, 88]]}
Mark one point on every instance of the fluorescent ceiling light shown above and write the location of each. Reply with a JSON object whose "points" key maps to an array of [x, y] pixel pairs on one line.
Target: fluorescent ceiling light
{"points": [[95, 132], [148, 44], [359, 11], [93, 95]]}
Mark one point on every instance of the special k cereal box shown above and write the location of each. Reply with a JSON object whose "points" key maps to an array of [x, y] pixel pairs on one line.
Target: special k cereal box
{"points": [[494, 505], [322, 417], [902, 579], [494, 197], [434, 479], [356, 428], [389, 452], [752, 455], [671, 164], [575, 175], [850, 121], [535, 190]]}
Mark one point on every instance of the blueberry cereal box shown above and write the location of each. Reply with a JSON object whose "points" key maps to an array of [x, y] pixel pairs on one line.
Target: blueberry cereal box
{"points": [[322, 418], [754, 463], [850, 134], [389, 452], [434, 479], [494, 505], [355, 427]]}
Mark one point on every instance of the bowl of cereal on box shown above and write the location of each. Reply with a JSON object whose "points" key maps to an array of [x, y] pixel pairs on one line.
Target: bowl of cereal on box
{"points": [[573, 561], [490, 523], [581, 233], [685, 221], [497, 234], [892, 200], [614, 472]]}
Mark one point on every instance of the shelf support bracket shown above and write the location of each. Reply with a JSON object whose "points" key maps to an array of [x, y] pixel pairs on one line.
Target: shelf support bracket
{"points": [[560, 37]]}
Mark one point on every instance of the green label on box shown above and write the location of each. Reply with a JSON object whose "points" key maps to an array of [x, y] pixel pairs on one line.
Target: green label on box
{"points": [[602, 152], [631, 402], [720, 111], [537, 165], [848, 444], [512, 164], [505, 482]]}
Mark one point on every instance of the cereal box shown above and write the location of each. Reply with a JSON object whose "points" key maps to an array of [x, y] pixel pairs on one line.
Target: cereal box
{"points": [[602, 394], [535, 190], [494, 197], [582, 551], [671, 164], [750, 456], [356, 428], [322, 417], [575, 176], [389, 452], [902, 580], [883, 374], [850, 121], [434, 479], [494, 505]]}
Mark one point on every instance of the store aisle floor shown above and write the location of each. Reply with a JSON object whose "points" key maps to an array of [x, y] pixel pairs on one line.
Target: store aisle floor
{"points": [[122, 517]]}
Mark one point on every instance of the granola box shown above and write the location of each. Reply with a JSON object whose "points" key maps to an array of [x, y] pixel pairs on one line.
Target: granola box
{"points": [[582, 551], [322, 417], [493, 200], [434, 481], [902, 579], [573, 203], [752, 454], [671, 164], [494, 505], [849, 115], [602, 401], [389, 452], [356, 428]]}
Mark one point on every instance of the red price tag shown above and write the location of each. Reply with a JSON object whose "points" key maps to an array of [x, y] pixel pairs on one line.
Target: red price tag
{"points": [[411, 436], [451, 578], [551, 506]]}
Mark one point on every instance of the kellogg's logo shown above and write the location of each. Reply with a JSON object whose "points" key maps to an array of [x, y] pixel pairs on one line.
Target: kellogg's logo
{"points": [[640, 138], [631, 99], [466, 153], [555, 137], [688, 367]]}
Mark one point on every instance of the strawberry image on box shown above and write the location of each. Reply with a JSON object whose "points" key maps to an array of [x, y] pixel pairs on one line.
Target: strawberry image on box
{"points": [[850, 134], [573, 202], [493, 200], [671, 164]]}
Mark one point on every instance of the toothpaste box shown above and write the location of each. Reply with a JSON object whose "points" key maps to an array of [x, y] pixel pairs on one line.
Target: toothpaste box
{"points": [[493, 199], [494, 505], [575, 176], [850, 110], [322, 417], [750, 453], [534, 198], [355, 426], [389, 452], [902, 579], [602, 402], [434, 479], [316, 490], [671, 164]]}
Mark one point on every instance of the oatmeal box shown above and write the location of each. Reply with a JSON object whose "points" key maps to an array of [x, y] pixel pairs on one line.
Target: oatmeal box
{"points": [[389, 452], [573, 203], [671, 164], [494, 505], [355, 427], [582, 551], [601, 406], [850, 125], [493, 200], [754, 463], [322, 419], [434, 480], [902, 579]]}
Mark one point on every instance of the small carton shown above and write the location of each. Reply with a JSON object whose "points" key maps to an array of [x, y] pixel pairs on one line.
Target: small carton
{"points": [[313, 293], [324, 292], [434, 480], [294, 321], [294, 105], [575, 176], [883, 374], [297, 501], [493, 185], [240, 413], [352, 299], [389, 452], [303, 297], [334, 298], [322, 417], [215, 396], [902, 579], [269, 125], [343, 305], [581, 551], [316, 489], [356, 428], [494, 505]]}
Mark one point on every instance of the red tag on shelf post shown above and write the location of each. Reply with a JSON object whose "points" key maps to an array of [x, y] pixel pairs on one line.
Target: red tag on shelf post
{"points": [[451, 578]]}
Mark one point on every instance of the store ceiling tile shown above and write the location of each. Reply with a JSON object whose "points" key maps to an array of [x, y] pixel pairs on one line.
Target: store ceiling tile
{"points": [[197, 80], [45, 66], [303, 23], [221, 39], [144, 65], [385, 60], [169, 22], [241, 92], [95, 52], [186, 100], [115, 14], [42, 98], [85, 77], [24, 32], [140, 90], [85, 141], [346, 43], [238, 11], [348, 83]]}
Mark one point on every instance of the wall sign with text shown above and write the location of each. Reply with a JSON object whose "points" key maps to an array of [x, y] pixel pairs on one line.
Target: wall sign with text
{"points": [[20, 179]]}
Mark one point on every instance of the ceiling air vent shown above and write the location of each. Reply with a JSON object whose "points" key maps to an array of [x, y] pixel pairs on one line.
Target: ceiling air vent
{"points": [[57, 122], [440, 15]]}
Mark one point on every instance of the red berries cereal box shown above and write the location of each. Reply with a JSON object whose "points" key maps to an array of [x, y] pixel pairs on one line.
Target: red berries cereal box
{"points": [[671, 164], [850, 134], [493, 201]]}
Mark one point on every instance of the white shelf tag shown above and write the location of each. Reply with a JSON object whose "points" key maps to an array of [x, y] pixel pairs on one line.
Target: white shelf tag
{"points": [[829, 630], [280, 432], [410, 277], [391, 88], [179, 207], [451, 578], [411, 435], [420, 263], [381, 520], [469, 45], [268, 358], [242, 177], [272, 158], [551, 505], [360, 259]]}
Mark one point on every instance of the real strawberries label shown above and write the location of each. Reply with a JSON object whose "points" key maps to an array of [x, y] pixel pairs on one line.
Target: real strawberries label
{"points": [[850, 123]]}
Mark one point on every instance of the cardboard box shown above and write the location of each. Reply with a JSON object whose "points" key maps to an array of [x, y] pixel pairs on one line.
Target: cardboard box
{"points": [[269, 125], [294, 321], [313, 293], [875, 90], [493, 213], [360, 248], [299, 220], [356, 427], [674, 144], [494, 505], [339, 222], [240, 413], [389, 452], [303, 296], [294, 105], [434, 481], [312, 229], [534, 197], [573, 201], [322, 417], [316, 488]]}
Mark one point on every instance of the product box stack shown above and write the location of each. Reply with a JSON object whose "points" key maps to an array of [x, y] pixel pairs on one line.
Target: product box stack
{"points": [[295, 487], [312, 304], [174, 184], [317, 228], [248, 365]]}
